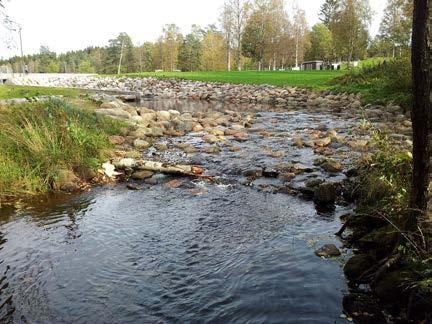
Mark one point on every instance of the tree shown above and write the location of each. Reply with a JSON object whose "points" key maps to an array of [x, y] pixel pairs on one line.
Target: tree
{"points": [[86, 67], [396, 25], [190, 52], [213, 51], [145, 57], [171, 42], [328, 11], [265, 32], [350, 29], [45, 59], [256, 33], [321, 40], [300, 29], [118, 54], [237, 12], [226, 20], [421, 111]]}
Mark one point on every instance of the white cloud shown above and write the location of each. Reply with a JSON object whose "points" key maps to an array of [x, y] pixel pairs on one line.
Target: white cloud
{"points": [[66, 25]]}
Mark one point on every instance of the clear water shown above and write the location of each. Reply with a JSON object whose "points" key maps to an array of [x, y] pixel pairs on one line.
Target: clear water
{"points": [[201, 253]]}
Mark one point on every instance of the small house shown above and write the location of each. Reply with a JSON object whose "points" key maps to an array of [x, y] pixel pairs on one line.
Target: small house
{"points": [[313, 65]]}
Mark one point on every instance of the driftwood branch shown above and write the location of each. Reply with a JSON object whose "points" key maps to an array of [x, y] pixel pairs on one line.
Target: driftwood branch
{"points": [[189, 170]]}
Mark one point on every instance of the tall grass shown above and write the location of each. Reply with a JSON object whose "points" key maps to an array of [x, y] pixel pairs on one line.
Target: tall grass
{"points": [[39, 140]]}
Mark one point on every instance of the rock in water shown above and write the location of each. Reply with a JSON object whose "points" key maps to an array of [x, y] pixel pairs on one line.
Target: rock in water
{"points": [[142, 175], [332, 166], [132, 186], [253, 173], [141, 144], [328, 251], [66, 181], [325, 194]]}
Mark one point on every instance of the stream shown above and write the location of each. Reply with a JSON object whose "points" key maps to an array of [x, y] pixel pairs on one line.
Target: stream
{"points": [[229, 251]]}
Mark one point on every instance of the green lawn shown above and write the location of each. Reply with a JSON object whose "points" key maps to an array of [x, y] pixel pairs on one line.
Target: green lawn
{"points": [[318, 80], [11, 92]]}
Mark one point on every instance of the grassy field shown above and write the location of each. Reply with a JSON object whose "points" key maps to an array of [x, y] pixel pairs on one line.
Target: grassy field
{"points": [[318, 80], [11, 92]]}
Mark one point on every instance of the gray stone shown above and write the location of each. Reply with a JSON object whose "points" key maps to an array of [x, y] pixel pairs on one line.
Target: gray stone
{"points": [[328, 251]]}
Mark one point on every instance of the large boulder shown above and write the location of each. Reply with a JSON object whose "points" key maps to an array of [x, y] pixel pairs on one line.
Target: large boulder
{"points": [[114, 113], [163, 115], [358, 265], [325, 194], [111, 105], [328, 251], [66, 180]]}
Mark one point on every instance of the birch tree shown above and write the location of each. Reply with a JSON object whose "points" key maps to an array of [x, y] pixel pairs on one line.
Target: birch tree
{"points": [[236, 12], [350, 28], [300, 29]]}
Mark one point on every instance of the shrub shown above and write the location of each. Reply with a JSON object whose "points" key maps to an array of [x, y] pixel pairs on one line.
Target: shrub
{"points": [[385, 179], [389, 81]]}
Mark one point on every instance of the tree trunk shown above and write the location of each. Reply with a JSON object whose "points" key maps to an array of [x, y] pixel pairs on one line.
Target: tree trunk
{"points": [[229, 59], [422, 110], [239, 50], [120, 60]]}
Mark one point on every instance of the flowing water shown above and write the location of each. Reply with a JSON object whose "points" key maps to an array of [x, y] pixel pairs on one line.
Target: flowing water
{"points": [[222, 252]]}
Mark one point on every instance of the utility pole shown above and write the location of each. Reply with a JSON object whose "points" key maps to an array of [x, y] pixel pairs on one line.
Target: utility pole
{"points": [[21, 47]]}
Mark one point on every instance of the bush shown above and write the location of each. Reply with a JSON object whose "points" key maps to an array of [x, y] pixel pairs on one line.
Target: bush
{"points": [[385, 179], [38, 140], [389, 81]]}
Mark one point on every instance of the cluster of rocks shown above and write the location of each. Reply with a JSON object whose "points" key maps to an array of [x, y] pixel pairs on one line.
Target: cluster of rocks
{"points": [[234, 93], [147, 123]]}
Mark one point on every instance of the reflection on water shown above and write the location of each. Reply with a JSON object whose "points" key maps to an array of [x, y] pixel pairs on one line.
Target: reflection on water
{"points": [[199, 253], [201, 105]]}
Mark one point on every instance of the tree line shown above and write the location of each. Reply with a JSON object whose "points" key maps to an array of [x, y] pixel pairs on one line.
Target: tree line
{"points": [[258, 35]]}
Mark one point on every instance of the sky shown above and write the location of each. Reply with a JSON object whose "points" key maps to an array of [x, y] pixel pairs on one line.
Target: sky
{"points": [[65, 25]]}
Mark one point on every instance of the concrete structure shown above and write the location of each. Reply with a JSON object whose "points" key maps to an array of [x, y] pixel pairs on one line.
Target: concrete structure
{"points": [[5, 74]]}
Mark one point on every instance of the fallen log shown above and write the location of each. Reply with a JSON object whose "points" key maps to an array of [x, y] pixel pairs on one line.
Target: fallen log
{"points": [[189, 170]]}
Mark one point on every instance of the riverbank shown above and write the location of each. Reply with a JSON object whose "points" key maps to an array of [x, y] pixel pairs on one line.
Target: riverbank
{"points": [[393, 261], [47, 144]]}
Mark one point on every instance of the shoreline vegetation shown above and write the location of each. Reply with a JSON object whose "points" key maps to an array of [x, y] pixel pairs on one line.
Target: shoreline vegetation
{"points": [[45, 145]]}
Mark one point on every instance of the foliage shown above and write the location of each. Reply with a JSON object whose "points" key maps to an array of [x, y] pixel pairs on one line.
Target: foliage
{"points": [[321, 40], [385, 178], [396, 25], [86, 67], [384, 190], [328, 11], [213, 51], [190, 53], [389, 81], [350, 29], [120, 50], [39, 140]]}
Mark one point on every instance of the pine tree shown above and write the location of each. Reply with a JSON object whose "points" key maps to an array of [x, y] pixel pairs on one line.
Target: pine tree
{"points": [[328, 11]]}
